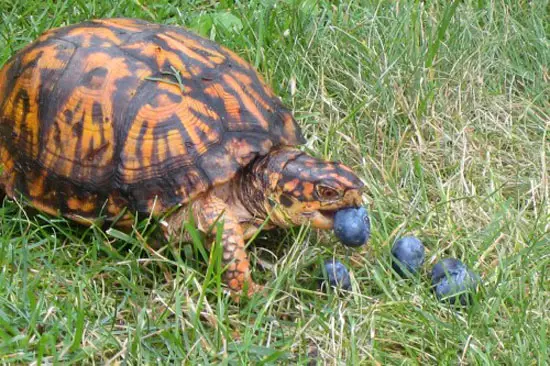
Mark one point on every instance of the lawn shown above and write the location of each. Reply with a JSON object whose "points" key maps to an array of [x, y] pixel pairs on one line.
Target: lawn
{"points": [[442, 108]]}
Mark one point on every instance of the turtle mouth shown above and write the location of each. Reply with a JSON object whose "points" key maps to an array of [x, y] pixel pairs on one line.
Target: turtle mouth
{"points": [[322, 219], [329, 214]]}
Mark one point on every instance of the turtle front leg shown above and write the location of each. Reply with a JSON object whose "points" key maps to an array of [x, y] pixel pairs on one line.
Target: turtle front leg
{"points": [[208, 211]]}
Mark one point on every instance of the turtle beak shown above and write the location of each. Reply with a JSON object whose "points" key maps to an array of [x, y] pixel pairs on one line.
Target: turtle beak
{"points": [[323, 219]]}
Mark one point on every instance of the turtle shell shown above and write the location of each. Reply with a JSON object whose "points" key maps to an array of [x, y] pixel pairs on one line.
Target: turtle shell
{"points": [[121, 113]]}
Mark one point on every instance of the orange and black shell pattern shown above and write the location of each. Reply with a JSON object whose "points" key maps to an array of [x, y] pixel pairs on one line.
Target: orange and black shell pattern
{"points": [[122, 113]]}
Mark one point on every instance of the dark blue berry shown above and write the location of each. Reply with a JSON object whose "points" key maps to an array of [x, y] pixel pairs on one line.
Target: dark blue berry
{"points": [[452, 281], [407, 256], [337, 274], [352, 226]]}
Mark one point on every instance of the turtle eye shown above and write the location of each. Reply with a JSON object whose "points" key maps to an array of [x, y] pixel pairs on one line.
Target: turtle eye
{"points": [[326, 193]]}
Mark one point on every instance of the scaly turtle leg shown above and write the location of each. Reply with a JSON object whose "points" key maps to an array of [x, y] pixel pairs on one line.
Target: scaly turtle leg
{"points": [[208, 211]]}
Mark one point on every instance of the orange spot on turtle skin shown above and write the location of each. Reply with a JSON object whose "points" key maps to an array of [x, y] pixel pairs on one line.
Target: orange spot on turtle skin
{"points": [[82, 205], [240, 277], [307, 189], [243, 266], [340, 178], [234, 284], [291, 185], [273, 179], [240, 255]]}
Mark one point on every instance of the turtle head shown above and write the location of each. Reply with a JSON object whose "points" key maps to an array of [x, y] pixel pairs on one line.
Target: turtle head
{"points": [[304, 189]]}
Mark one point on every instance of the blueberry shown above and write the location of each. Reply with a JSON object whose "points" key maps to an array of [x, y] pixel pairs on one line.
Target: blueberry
{"points": [[452, 281], [352, 226], [337, 274], [407, 256]]}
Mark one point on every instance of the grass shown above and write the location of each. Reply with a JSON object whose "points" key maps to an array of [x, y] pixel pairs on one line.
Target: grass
{"points": [[442, 108]]}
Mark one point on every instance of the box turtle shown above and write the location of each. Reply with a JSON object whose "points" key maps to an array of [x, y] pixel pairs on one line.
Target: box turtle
{"points": [[115, 117]]}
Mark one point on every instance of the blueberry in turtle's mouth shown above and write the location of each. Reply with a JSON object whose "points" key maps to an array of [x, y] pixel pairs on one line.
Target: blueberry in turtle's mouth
{"points": [[352, 226]]}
